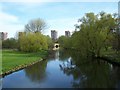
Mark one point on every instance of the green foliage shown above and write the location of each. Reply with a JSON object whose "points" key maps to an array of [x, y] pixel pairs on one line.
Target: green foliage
{"points": [[116, 39], [10, 43], [49, 42], [116, 42], [94, 34], [64, 41], [32, 42]]}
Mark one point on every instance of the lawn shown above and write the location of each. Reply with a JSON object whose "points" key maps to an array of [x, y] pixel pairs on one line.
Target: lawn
{"points": [[12, 58], [112, 55]]}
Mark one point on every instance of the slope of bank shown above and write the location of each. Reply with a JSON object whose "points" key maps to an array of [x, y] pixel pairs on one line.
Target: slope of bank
{"points": [[14, 60]]}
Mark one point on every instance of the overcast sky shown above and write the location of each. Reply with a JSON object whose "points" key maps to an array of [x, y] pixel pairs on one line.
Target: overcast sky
{"points": [[59, 16]]}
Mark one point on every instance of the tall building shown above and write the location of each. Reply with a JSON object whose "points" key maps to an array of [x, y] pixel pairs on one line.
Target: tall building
{"points": [[119, 15], [67, 33], [54, 34], [21, 33], [119, 9], [3, 35]]}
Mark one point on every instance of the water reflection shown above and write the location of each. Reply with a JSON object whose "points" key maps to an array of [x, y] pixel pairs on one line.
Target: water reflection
{"points": [[0, 83], [65, 68], [36, 73], [54, 55], [92, 73]]}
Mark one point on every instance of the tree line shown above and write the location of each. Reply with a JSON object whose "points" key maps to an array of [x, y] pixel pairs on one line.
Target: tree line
{"points": [[96, 34], [31, 39]]}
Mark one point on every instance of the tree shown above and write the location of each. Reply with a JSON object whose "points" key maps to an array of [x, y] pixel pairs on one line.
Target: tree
{"points": [[64, 41], [94, 34], [116, 40], [49, 42], [36, 25], [32, 42], [10, 43]]}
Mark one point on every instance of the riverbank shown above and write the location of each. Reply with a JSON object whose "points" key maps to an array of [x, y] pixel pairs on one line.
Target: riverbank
{"points": [[14, 60], [109, 56]]}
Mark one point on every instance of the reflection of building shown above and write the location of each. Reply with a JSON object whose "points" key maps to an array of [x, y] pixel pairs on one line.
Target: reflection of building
{"points": [[3, 35], [67, 33], [54, 34]]}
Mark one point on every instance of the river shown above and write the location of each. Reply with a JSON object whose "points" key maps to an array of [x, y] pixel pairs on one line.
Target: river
{"points": [[65, 69]]}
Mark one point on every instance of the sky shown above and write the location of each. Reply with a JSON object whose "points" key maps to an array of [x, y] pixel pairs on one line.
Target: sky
{"points": [[59, 16]]}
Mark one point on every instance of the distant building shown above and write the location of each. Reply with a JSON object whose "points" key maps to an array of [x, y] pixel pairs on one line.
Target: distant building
{"points": [[119, 9], [21, 33], [54, 35], [67, 33], [3, 35]]}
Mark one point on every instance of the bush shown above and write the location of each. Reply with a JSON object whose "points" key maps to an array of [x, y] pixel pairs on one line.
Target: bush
{"points": [[32, 42], [10, 43]]}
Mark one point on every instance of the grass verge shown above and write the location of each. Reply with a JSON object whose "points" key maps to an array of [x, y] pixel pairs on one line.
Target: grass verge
{"points": [[112, 54], [12, 59]]}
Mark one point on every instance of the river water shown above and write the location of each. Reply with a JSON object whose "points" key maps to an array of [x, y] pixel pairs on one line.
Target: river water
{"points": [[65, 69]]}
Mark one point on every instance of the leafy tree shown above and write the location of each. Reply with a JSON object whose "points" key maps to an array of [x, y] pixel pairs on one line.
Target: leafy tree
{"points": [[32, 42], [36, 25], [10, 43], [49, 42], [0, 44], [116, 40], [94, 34], [64, 41]]}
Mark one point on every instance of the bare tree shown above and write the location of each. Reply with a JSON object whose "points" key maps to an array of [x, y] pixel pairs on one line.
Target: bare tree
{"points": [[36, 25]]}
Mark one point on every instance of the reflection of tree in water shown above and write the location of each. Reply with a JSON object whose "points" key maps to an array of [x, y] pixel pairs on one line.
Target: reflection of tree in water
{"points": [[97, 75], [64, 55], [53, 55], [90, 73], [115, 74], [36, 73]]}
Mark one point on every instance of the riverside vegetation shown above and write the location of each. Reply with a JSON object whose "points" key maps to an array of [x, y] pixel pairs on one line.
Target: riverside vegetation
{"points": [[14, 59], [96, 36], [30, 46]]}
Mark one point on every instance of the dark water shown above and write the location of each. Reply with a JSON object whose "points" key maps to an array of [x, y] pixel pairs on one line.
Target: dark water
{"points": [[65, 69]]}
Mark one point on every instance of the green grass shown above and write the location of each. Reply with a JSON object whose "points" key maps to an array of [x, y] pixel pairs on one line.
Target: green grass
{"points": [[112, 54], [12, 59]]}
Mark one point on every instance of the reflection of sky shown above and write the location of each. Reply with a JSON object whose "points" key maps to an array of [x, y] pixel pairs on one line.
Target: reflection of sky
{"points": [[57, 55], [0, 83], [16, 80], [54, 78]]}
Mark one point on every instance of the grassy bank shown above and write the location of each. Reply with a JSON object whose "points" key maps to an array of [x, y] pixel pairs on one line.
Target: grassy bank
{"points": [[110, 53], [12, 59]]}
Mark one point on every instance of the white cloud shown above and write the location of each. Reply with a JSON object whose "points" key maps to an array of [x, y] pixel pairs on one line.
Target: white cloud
{"points": [[9, 23], [7, 18]]}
